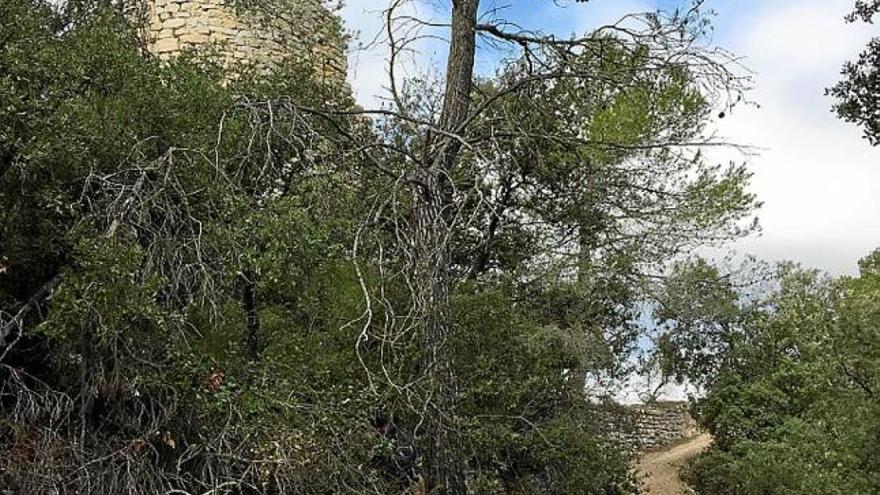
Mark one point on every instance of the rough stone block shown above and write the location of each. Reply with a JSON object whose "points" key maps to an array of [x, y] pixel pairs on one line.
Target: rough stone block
{"points": [[174, 23], [166, 45], [194, 38], [228, 23]]}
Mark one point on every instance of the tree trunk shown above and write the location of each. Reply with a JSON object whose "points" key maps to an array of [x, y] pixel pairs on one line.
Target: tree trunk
{"points": [[444, 469], [444, 466], [459, 76]]}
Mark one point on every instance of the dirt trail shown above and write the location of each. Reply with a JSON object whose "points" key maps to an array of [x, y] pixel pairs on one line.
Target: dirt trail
{"points": [[659, 470]]}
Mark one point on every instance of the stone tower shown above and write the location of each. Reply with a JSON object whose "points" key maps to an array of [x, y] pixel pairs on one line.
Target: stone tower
{"points": [[306, 31]]}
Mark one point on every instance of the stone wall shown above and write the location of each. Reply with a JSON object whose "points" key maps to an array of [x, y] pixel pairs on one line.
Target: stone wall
{"points": [[646, 427], [304, 30]]}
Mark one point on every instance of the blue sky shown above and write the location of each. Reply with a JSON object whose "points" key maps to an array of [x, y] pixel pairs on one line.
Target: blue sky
{"points": [[819, 180]]}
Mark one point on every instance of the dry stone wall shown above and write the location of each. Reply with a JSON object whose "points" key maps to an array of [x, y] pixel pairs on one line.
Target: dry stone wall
{"points": [[646, 427], [303, 30]]}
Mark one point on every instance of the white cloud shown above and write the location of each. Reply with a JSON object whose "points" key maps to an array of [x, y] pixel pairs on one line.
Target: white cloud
{"points": [[819, 180], [808, 35]]}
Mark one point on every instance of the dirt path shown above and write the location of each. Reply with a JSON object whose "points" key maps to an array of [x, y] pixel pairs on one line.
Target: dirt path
{"points": [[659, 470]]}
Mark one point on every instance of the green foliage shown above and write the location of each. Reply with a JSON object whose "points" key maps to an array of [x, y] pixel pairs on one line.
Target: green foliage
{"points": [[858, 93], [155, 216], [697, 314], [528, 426], [146, 188], [791, 404]]}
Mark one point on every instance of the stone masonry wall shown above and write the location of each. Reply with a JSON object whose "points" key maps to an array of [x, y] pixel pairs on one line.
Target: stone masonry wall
{"points": [[645, 427], [305, 30]]}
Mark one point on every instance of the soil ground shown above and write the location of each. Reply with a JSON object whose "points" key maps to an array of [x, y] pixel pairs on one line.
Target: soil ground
{"points": [[659, 470]]}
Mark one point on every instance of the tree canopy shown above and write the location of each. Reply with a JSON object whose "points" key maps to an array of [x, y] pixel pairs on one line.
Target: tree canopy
{"points": [[857, 93], [791, 391]]}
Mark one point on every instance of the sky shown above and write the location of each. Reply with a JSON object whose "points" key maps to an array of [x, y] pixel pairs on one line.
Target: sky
{"points": [[818, 180]]}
